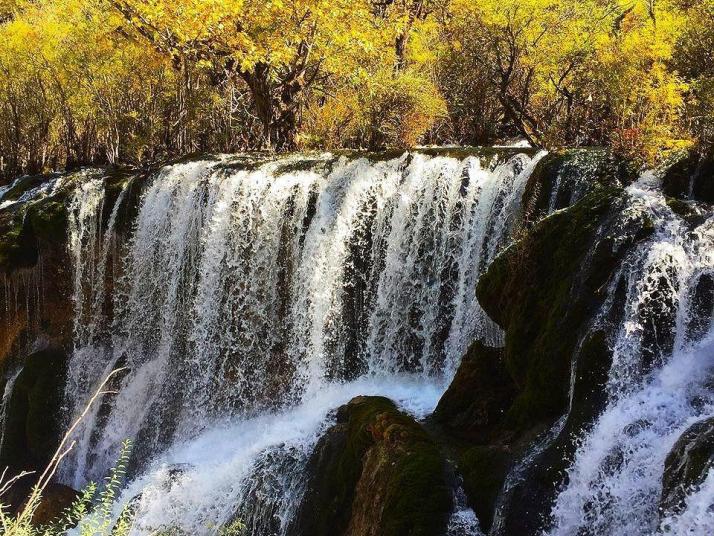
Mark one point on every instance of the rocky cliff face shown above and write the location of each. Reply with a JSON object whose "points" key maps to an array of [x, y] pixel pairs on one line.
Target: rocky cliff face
{"points": [[36, 318], [509, 426], [38, 312]]}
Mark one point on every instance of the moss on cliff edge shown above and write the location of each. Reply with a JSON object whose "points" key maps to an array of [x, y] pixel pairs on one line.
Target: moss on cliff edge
{"points": [[25, 229], [535, 291]]}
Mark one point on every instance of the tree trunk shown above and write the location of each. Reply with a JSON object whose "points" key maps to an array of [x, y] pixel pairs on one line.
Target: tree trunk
{"points": [[276, 106]]}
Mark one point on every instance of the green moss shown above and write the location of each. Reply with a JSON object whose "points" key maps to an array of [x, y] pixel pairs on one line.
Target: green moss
{"points": [[484, 469], [18, 244], [49, 220], [9, 247], [477, 396], [489, 156], [543, 291], [375, 460], [573, 173], [537, 342], [308, 163], [418, 498], [27, 228], [363, 413], [336, 465]]}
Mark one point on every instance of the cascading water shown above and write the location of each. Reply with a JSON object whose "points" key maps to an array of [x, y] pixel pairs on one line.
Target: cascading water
{"points": [[659, 384], [254, 300]]}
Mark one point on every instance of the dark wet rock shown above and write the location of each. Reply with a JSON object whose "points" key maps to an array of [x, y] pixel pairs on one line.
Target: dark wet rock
{"points": [[701, 307], [478, 396], [375, 472], [658, 315], [56, 500], [687, 465], [35, 265], [33, 423], [18, 243], [483, 470], [544, 291], [690, 177]]}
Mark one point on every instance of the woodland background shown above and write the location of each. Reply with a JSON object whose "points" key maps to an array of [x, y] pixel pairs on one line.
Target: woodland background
{"points": [[137, 81]]}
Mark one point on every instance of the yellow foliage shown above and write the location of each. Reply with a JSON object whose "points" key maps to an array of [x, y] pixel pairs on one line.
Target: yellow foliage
{"points": [[84, 81], [383, 110], [581, 71]]}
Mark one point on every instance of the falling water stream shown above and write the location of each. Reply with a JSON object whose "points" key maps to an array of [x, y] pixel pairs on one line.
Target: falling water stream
{"points": [[659, 384], [254, 299]]}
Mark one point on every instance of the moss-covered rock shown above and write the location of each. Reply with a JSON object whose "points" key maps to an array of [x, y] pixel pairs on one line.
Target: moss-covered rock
{"points": [[480, 393], [31, 226], [48, 220], [687, 465], [563, 177], [375, 472], [33, 420], [545, 292]]}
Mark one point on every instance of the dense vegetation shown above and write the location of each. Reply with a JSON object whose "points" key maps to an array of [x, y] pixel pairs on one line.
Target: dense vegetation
{"points": [[127, 81]]}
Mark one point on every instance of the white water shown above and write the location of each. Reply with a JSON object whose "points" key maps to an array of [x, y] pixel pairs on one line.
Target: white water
{"points": [[252, 302], [614, 483], [251, 468]]}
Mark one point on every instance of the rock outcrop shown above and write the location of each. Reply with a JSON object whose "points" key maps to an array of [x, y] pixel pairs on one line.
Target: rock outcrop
{"points": [[691, 177], [376, 472], [544, 291], [687, 465]]}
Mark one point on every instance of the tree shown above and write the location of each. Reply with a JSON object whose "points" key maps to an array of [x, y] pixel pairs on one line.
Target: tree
{"points": [[693, 59], [280, 49], [576, 72]]}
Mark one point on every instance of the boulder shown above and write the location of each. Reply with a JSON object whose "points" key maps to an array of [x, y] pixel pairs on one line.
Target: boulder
{"points": [[375, 472], [687, 465], [55, 501]]}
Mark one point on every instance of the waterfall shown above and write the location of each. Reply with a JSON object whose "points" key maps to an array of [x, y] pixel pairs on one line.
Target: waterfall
{"points": [[255, 298], [659, 384]]}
